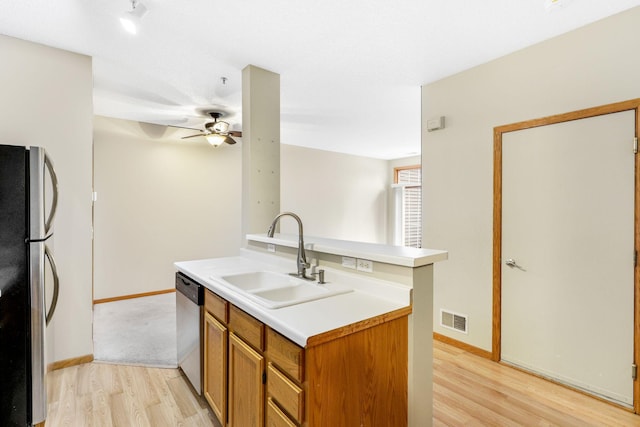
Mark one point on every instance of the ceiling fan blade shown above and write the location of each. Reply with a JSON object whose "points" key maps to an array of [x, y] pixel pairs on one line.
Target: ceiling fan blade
{"points": [[193, 136], [235, 133], [229, 140], [183, 127]]}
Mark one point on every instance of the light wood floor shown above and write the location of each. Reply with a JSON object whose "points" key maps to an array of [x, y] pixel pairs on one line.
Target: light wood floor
{"points": [[98, 394], [472, 391], [468, 391]]}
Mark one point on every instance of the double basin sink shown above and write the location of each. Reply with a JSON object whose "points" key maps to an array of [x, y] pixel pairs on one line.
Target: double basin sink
{"points": [[275, 290]]}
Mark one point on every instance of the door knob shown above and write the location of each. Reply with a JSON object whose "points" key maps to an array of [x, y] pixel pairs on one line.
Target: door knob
{"points": [[512, 263]]}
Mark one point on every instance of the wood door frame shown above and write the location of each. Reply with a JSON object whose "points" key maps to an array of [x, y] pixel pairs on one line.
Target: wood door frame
{"points": [[631, 105]]}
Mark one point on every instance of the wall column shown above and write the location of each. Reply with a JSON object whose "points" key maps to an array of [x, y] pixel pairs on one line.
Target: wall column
{"points": [[421, 349], [260, 149]]}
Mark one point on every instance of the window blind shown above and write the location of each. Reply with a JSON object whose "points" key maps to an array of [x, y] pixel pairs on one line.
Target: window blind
{"points": [[411, 206]]}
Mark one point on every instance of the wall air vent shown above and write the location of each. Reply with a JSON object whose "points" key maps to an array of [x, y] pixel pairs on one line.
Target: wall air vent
{"points": [[455, 321]]}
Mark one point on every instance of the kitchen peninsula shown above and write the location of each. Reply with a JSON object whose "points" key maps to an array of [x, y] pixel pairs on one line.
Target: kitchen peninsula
{"points": [[347, 357]]}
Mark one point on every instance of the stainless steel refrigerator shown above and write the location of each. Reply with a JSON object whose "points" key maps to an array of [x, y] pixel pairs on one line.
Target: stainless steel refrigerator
{"points": [[26, 217]]}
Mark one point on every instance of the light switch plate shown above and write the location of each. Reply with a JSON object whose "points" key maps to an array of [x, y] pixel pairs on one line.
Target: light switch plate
{"points": [[349, 262]]}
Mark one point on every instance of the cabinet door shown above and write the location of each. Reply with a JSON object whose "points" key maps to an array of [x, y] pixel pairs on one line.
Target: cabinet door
{"points": [[246, 388], [215, 366]]}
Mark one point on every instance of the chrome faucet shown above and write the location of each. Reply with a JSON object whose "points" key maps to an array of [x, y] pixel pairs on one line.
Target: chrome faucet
{"points": [[302, 257]]}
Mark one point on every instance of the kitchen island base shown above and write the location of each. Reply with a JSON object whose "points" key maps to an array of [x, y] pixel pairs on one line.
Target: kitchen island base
{"points": [[356, 375]]}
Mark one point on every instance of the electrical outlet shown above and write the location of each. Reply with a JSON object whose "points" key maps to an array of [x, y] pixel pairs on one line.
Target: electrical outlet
{"points": [[349, 262], [365, 265], [271, 247]]}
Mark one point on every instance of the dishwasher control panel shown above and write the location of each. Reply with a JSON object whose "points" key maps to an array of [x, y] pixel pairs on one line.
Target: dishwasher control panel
{"points": [[190, 288]]}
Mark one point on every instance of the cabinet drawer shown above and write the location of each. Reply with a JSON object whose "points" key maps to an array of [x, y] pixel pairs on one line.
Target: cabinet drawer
{"points": [[250, 329], [286, 354], [277, 418], [218, 307], [284, 391]]}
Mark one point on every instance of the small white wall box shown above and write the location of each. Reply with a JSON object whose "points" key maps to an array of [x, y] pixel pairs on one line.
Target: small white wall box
{"points": [[435, 124]]}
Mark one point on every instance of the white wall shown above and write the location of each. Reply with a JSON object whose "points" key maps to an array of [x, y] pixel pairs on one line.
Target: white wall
{"points": [[595, 65], [47, 101], [160, 200], [338, 196]]}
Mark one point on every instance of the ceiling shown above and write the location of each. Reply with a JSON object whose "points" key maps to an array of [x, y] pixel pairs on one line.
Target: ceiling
{"points": [[350, 71]]}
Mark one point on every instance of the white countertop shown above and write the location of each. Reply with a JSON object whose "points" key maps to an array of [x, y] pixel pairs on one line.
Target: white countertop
{"points": [[397, 255], [370, 297]]}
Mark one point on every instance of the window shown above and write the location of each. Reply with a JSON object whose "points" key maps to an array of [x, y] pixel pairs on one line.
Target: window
{"points": [[408, 184]]}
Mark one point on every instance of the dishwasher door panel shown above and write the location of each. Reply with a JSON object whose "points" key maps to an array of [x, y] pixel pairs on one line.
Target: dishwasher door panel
{"points": [[189, 329]]}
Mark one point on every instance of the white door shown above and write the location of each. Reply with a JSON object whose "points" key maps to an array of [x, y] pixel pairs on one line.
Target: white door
{"points": [[568, 229]]}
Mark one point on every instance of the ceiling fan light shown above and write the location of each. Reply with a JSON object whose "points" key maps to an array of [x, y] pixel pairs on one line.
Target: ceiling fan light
{"points": [[215, 139]]}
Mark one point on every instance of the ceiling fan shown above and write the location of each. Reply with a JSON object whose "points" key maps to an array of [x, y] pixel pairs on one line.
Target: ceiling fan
{"points": [[217, 132]]}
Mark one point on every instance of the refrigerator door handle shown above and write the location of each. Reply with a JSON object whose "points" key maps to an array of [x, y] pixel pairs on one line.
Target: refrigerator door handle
{"points": [[54, 183], [56, 284]]}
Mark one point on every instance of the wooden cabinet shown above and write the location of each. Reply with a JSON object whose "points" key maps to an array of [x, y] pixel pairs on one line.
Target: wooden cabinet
{"points": [[277, 418], [246, 388], [285, 381], [246, 327], [355, 375], [234, 368], [286, 354], [216, 333], [285, 394], [215, 365], [359, 378]]}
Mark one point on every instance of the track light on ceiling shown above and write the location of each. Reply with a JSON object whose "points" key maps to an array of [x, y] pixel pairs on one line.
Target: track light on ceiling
{"points": [[131, 18], [552, 5]]}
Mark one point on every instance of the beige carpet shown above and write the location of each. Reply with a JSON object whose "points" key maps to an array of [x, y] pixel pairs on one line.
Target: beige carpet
{"points": [[138, 331]]}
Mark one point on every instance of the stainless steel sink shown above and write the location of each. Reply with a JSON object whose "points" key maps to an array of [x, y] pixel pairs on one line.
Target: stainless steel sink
{"points": [[275, 290]]}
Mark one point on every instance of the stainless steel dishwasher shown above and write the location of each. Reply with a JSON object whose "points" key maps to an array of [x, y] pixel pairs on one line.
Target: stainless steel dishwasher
{"points": [[189, 300]]}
